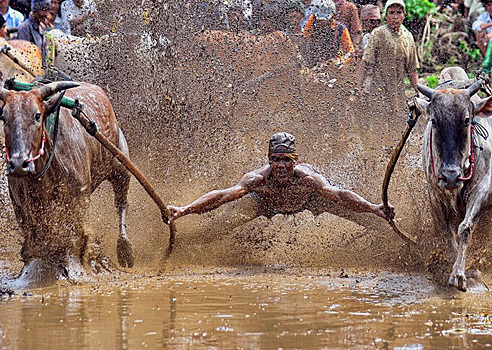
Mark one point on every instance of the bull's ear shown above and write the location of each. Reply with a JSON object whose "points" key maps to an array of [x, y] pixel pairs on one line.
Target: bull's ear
{"points": [[483, 108], [54, 102], [422, 105]]}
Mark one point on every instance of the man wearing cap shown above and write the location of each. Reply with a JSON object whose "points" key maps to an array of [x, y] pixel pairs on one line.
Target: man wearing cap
{"points": [[283, 186], [389, 57], [34, 28]]}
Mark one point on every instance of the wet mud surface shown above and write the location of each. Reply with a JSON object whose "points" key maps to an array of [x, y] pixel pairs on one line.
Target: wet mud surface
{"points": [[248, 307]]}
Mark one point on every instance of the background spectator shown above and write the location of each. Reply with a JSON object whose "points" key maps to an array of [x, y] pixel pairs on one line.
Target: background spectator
{"points": [[348, 14], [482, 26], [82, 16], [34, 28], [390, 56], [370, 16], [13, 18], [325, 39], [57, 21]]}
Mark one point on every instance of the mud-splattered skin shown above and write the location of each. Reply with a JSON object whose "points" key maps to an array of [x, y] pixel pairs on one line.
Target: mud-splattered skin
{"points": [[50, 209], [281, 188], [457, 202]]}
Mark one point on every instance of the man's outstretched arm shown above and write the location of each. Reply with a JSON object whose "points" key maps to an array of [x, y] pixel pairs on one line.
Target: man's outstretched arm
{"points": [[350, 199], [216, 198]]}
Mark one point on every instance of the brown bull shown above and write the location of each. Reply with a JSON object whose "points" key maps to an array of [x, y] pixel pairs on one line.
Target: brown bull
{"points": [[50, 209], [457, 163], [20, 59]]}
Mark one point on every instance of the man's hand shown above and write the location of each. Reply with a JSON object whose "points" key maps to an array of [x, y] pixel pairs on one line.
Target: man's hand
{"points": [[386, 214], [176, 212]]}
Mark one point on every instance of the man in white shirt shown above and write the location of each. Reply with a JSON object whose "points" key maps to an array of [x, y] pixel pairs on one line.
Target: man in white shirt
{"points": [[12, 17]]}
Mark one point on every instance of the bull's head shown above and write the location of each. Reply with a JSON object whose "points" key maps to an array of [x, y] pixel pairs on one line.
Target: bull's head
{"points": [[450, 113], [23, 114]]}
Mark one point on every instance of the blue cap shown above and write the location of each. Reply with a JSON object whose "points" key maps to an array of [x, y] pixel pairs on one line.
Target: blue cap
{"points": [[38, 5]]}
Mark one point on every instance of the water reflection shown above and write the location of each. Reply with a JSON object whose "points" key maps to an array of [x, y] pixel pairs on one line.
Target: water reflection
{"points": [[274, 311]]}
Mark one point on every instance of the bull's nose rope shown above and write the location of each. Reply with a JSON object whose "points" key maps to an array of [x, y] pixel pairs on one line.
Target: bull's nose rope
{"points": [[41, 149], [471, 159]]}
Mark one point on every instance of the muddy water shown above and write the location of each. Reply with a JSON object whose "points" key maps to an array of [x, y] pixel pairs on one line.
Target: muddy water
{"points": [[248, 308]]}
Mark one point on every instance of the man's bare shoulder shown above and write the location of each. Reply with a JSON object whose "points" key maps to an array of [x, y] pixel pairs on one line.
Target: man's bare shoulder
{"points": [[309, 173], [304, 169], [255, 177]]}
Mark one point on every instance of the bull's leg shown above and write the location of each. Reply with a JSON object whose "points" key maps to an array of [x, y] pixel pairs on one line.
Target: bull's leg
{"points": [[465, 230], [121, 184]]}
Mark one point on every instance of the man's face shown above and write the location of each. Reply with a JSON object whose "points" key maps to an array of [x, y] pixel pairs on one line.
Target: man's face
{"points": [[395, 14], [282, 167], [41, 16], [370, 24], [488, 7], [4, 3]]}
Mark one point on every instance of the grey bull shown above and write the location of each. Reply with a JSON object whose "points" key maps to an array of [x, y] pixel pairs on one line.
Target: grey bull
{"points": [[457, 162]]}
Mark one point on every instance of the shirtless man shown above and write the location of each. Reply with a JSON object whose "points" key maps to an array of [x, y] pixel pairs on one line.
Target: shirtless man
{"points": [[282, 187]]}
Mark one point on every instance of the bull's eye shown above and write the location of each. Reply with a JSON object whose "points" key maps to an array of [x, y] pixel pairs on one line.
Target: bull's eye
{"points": [[467, 121], [433, 121], [38, 117], [2, 118]]}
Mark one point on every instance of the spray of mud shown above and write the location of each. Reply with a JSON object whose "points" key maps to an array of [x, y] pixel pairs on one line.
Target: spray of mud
{"points": [[198, 107]]}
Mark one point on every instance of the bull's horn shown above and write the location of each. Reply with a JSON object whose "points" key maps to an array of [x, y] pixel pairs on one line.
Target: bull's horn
{"points": [[52, 88], [472, 89], [426, 91]]}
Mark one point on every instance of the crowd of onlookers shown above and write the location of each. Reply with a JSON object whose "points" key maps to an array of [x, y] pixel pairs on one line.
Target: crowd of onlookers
{"points": [[331, 33], [33, 20]]}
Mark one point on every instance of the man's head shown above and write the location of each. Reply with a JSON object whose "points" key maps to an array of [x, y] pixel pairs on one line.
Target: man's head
{"points": [[4, 6], [282, 156], [395, 14], [370, 15], [487, 4], [40, 10]]}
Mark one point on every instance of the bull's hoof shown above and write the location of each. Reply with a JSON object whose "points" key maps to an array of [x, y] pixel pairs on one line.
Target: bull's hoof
{"points": [[459, 281], [124, 249], [36, 273]]}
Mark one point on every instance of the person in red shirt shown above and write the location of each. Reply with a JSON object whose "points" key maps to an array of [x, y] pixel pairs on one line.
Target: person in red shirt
{"points": [[325, 39], [347, 14]]}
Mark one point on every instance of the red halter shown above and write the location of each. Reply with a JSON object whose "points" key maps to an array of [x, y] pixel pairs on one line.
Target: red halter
{"points": [[472, 158]]}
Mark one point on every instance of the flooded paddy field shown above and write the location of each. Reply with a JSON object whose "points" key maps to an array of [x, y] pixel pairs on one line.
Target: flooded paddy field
{"points": [[271, 307]]}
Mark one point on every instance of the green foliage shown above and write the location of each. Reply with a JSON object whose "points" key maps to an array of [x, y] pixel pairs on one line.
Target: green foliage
{"points": [[418, 8], [432, 81], [474, 54]]}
